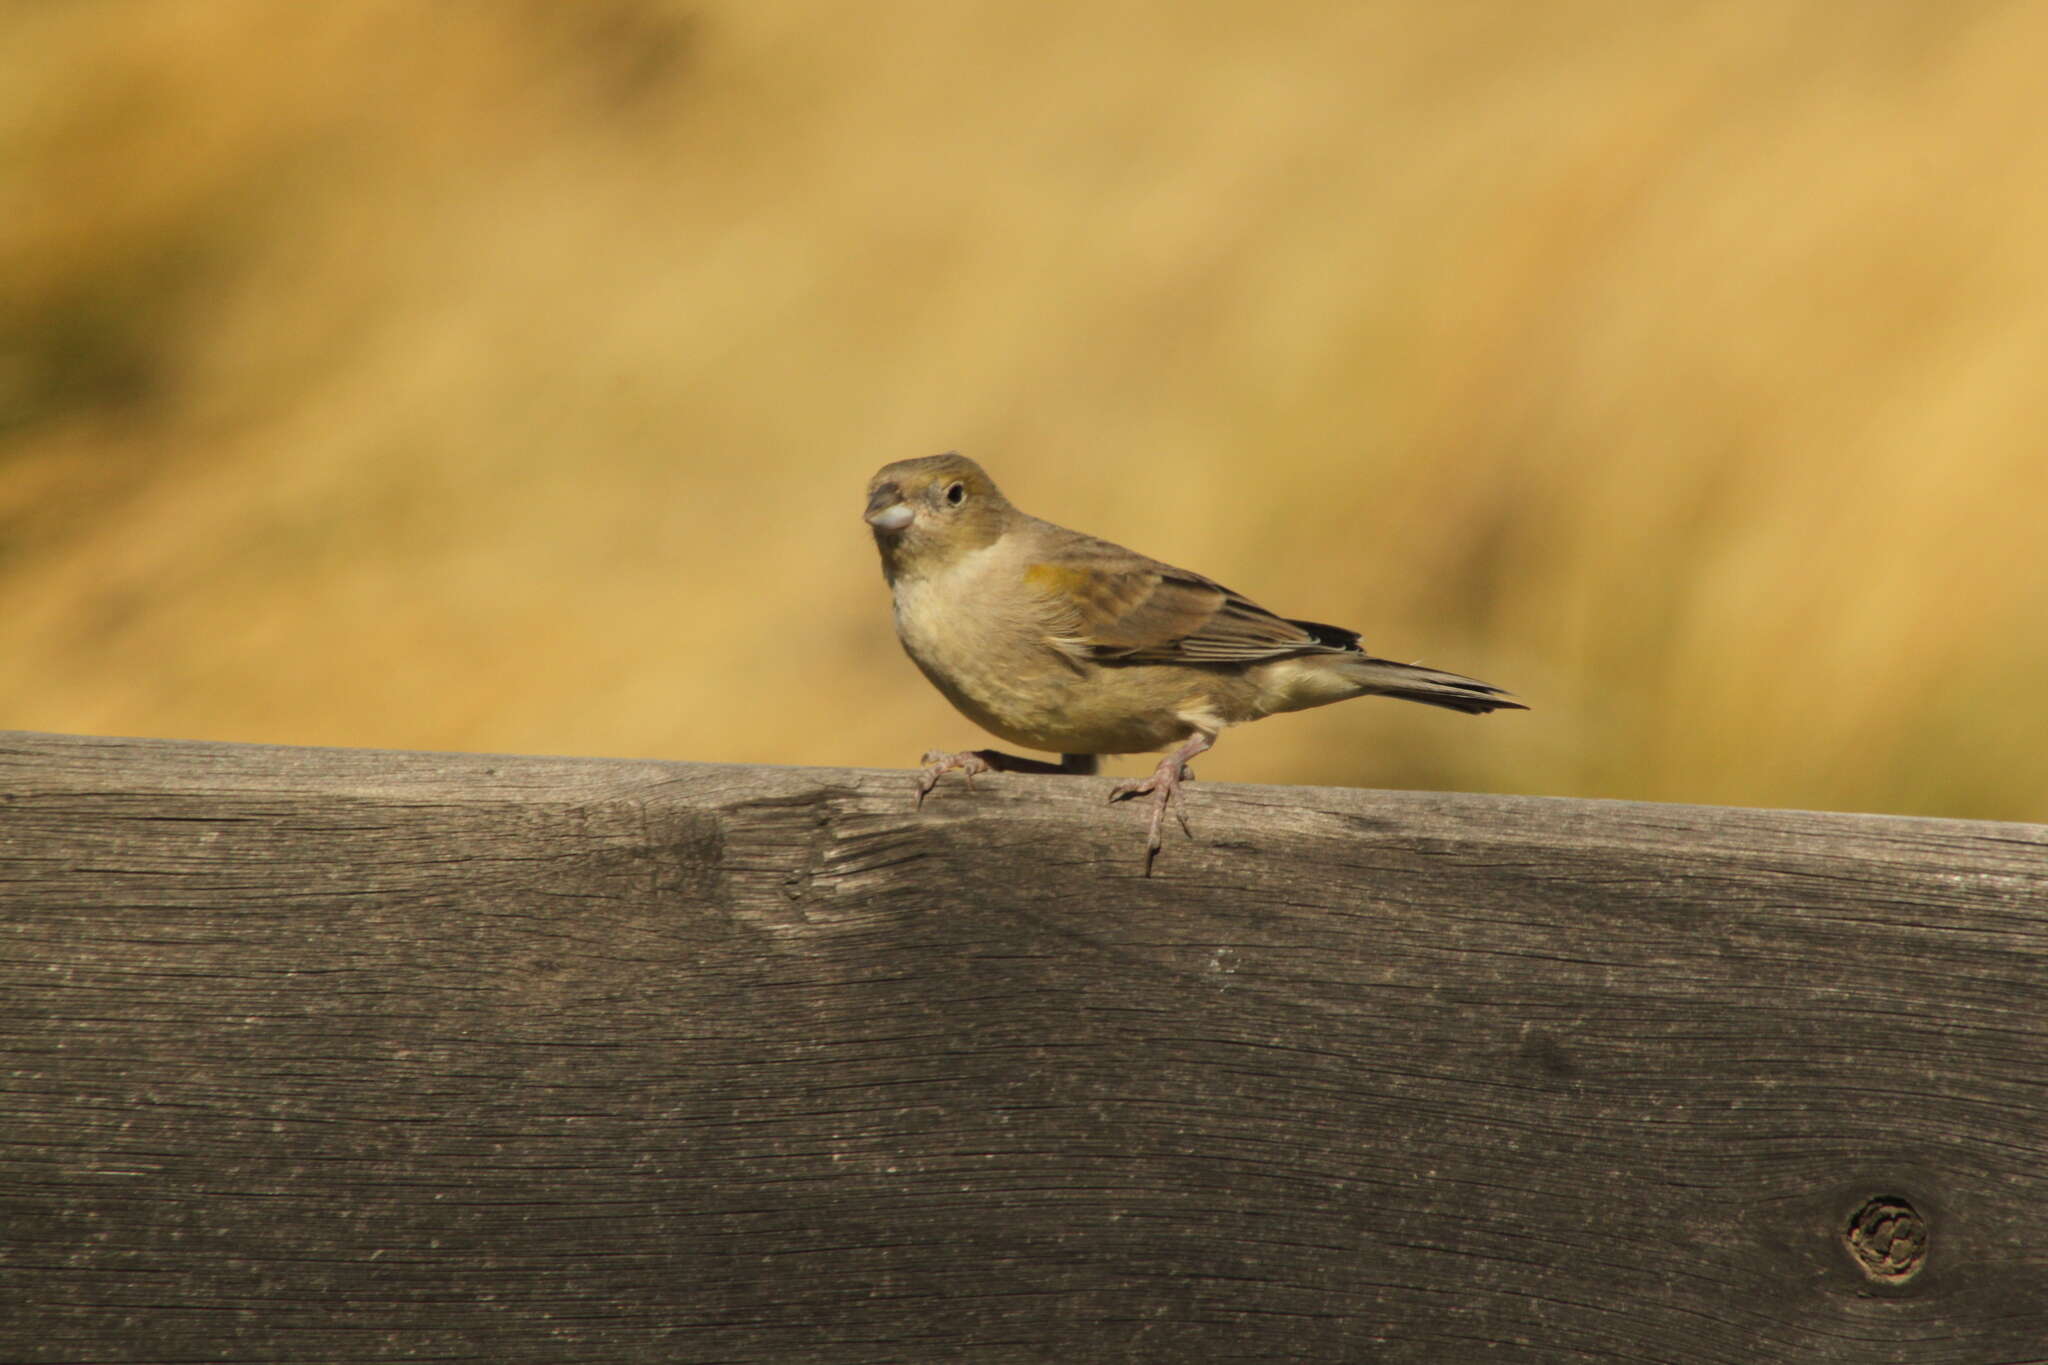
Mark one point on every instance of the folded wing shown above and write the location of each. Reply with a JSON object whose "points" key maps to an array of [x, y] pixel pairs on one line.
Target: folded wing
{"points": [[1116, 606]]}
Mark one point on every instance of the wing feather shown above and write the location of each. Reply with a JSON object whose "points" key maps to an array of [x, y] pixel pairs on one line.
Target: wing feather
{"points": [[1118, 606]]}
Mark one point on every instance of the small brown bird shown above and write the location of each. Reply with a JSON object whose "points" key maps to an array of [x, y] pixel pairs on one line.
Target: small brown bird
{"points": [[1061, 642]]}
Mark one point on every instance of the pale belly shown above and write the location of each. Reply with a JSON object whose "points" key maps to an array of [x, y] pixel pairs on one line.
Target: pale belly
{"points": [[1012, 682]]}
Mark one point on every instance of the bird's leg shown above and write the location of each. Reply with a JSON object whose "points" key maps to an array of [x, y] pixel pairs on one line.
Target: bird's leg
{"points": [[1164, 787], [972, 761]]}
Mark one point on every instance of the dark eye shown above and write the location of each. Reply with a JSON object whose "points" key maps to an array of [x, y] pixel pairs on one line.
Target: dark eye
{"points": [[956, 493]]}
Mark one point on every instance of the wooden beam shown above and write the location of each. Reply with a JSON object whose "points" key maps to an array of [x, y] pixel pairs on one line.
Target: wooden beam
{"points": [[342, 1055]]}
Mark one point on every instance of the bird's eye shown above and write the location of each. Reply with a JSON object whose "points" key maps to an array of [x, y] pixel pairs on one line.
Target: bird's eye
{"points": [[956, 493]]}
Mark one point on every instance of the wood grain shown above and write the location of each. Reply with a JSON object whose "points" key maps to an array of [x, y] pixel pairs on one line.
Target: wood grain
{"points": [[319, 1055]]}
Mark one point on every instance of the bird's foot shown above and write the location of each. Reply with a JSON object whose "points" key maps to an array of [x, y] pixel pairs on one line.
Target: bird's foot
{"points": [[937, 765], [1163, 786], [972, 761]]}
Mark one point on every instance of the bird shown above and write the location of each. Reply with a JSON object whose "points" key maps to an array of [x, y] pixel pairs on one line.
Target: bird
{"points": [[1057, 641]]}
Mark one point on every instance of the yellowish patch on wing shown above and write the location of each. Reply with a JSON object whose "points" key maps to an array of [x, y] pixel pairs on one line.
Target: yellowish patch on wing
{"points": [[1059, 580], [1064, 585]]}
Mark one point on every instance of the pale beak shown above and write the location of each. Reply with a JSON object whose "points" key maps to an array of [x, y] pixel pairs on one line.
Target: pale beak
{"points": [[886, 509]]}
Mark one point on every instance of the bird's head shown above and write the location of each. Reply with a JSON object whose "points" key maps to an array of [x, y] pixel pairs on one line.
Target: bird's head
{"points": [[928, 512]]}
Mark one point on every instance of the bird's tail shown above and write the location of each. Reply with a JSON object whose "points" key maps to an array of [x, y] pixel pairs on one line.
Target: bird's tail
{"points": [[1430, 686]]}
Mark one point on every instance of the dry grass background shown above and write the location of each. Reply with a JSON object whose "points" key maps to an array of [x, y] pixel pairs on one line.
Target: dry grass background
{"points": [[505, 376]]}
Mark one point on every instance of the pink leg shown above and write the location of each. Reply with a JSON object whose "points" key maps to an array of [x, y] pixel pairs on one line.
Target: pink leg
{"points": [[972, 761], [1164, 787]]}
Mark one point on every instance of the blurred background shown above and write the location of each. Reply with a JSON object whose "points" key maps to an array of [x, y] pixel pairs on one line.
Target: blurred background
{"points": [[506, 376]]}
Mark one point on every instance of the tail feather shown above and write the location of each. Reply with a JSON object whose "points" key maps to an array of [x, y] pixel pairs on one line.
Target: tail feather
{"points": [[1430, 686]]}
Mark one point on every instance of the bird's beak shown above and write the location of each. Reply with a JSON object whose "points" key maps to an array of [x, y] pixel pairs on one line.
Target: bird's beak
{"points": [[886, 509]]}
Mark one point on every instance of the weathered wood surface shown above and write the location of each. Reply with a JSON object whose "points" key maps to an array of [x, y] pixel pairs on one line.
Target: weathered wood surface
{"points": [[325, 1056]]}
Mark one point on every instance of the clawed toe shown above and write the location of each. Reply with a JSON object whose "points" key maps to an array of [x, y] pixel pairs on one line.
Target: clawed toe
{"points": [[972, 761], [937, 765], [1164, 787]]}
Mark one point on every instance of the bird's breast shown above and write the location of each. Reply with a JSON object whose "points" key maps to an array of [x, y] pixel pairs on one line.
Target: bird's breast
{"points": [[986, 641], [963, 630]]}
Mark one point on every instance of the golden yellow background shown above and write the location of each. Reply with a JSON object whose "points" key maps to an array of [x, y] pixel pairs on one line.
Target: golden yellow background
{"points": [[505, 376]]}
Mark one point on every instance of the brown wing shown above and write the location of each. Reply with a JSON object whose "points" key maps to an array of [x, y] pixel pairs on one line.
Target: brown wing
{"points": [[1123, 607]]}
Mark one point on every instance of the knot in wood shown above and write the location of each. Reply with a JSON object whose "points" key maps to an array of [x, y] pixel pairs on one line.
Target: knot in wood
{"points": [[1888, 1238]]}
